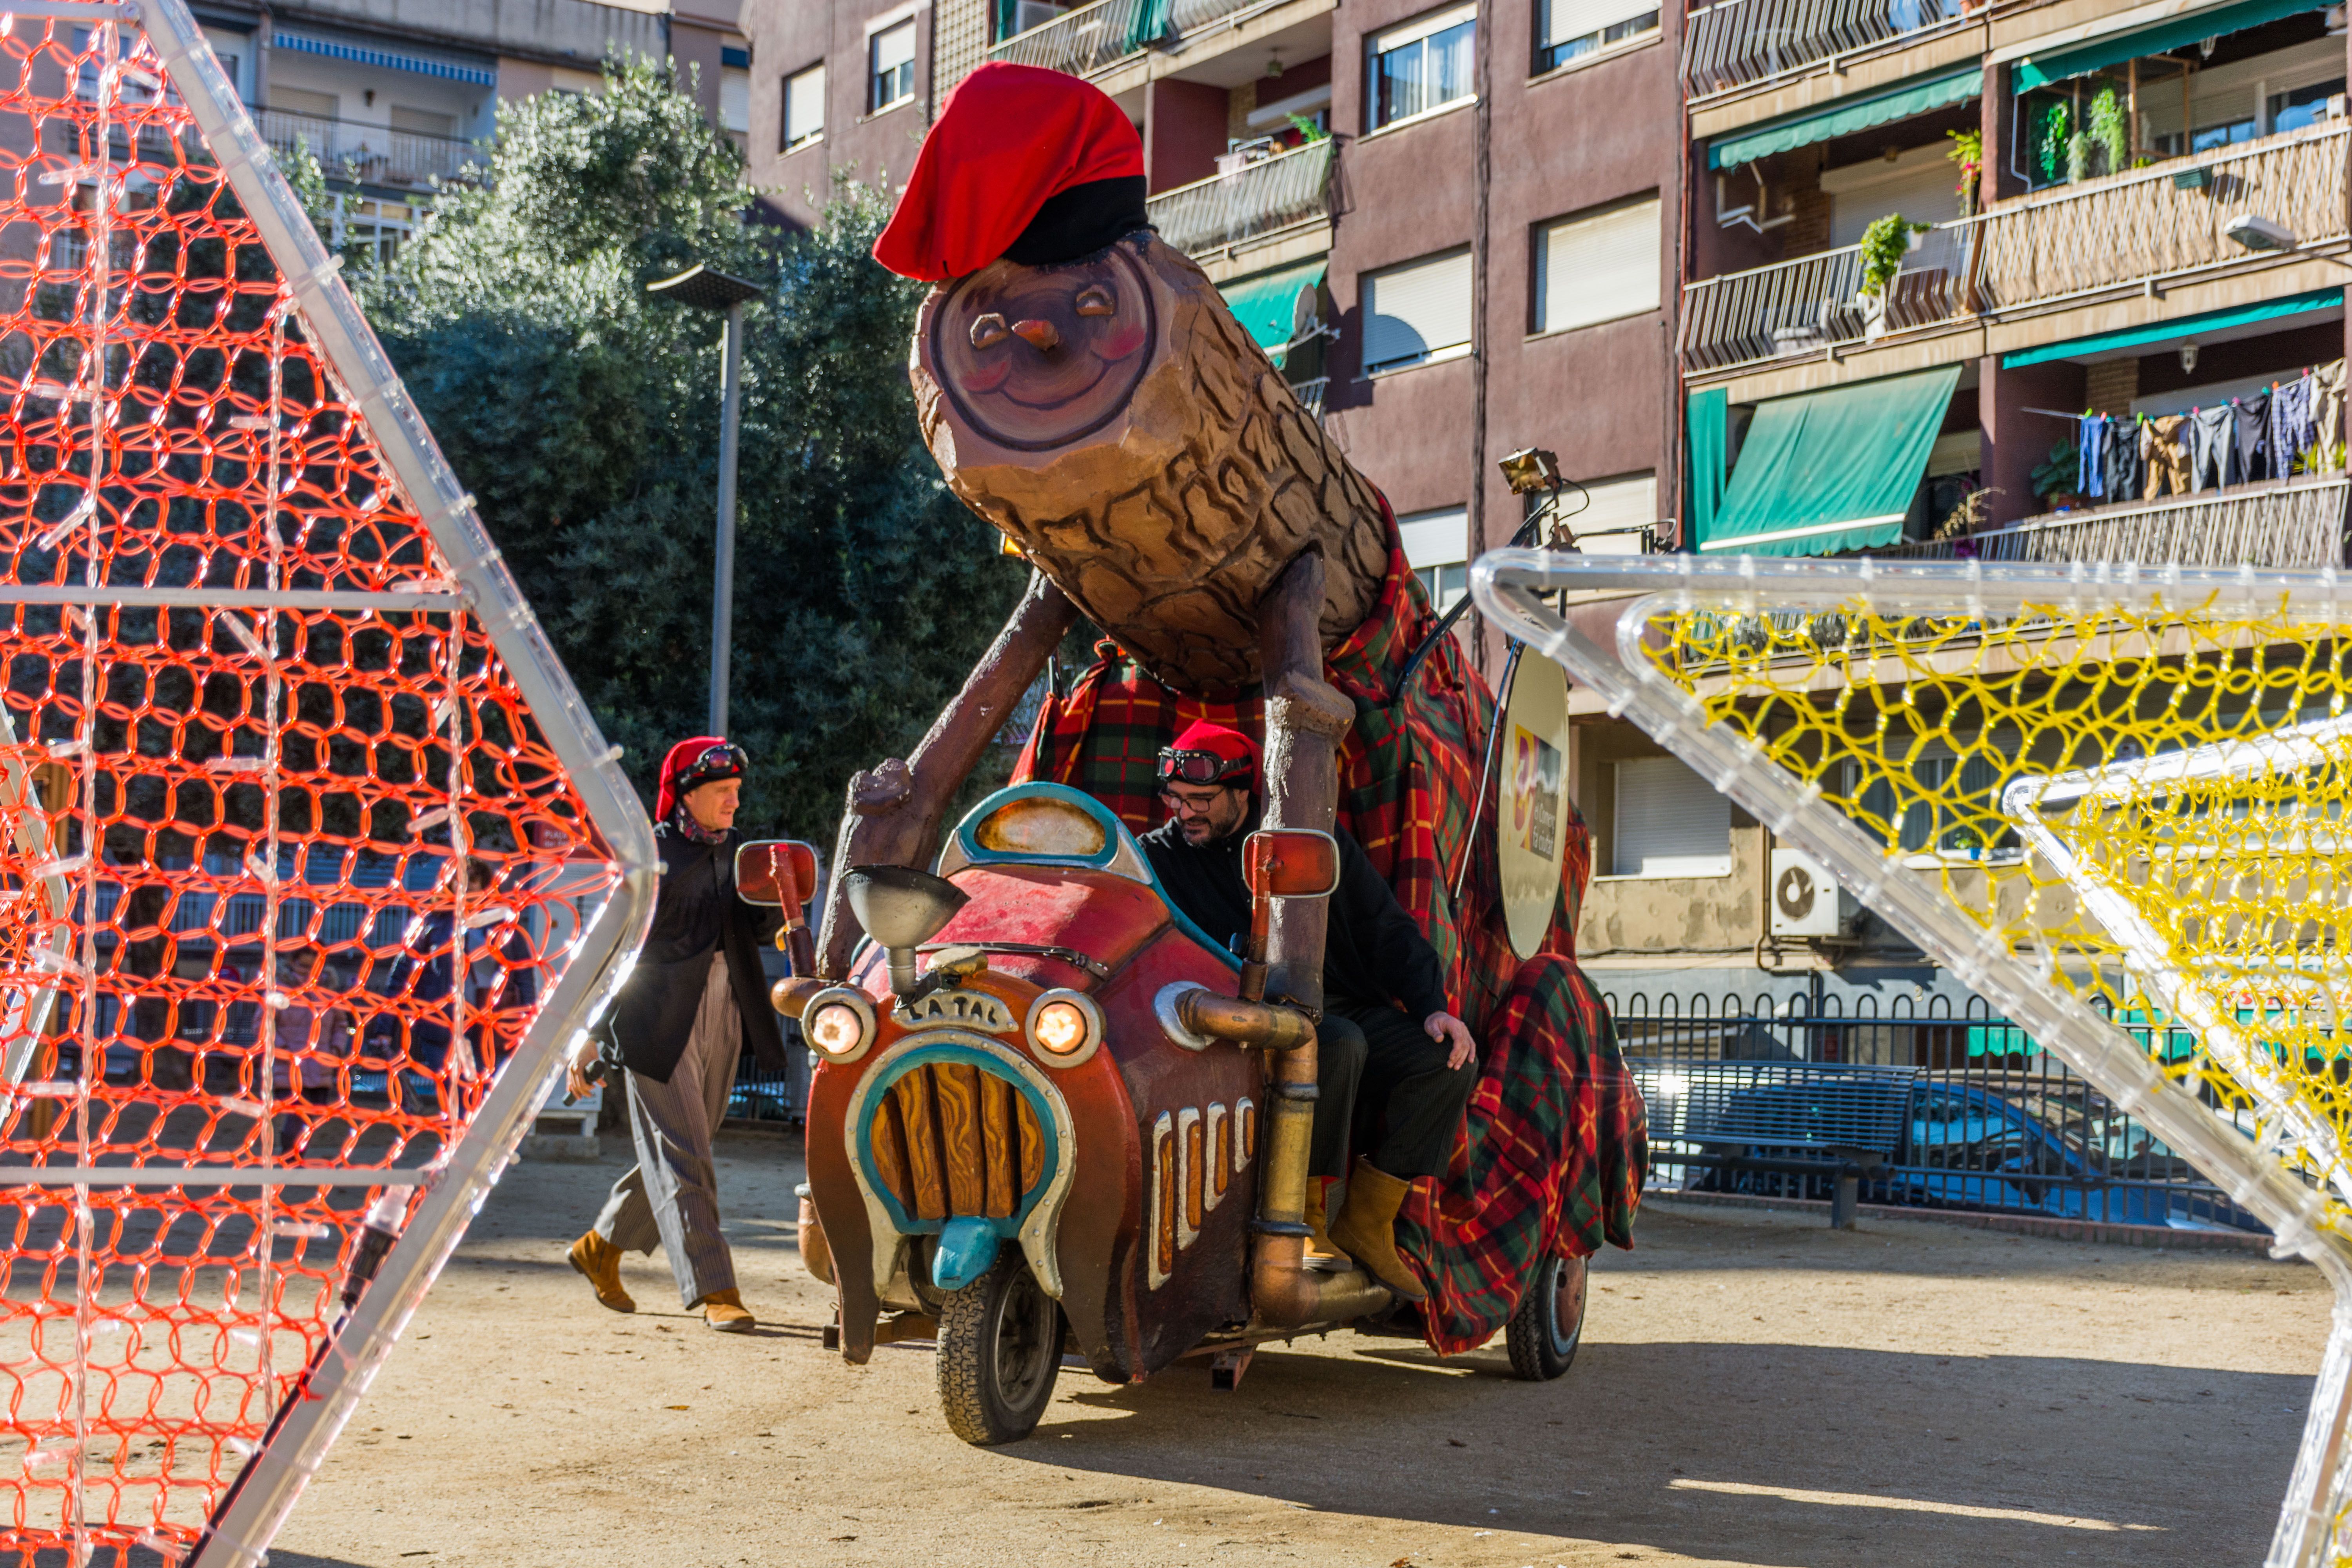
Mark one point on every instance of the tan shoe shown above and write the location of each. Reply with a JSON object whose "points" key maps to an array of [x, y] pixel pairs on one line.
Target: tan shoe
{"points": [[1320, 1250], [1366, 1228], [724, 1310], [600, 1261]]}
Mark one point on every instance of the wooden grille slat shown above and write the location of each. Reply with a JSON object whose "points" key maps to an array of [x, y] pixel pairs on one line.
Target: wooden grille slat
{"points": [[1195, 1176], [913, 1097], [1000, 1142], [955, 1089], [1164, 1163], [890, 1153], [1033, 1142]]}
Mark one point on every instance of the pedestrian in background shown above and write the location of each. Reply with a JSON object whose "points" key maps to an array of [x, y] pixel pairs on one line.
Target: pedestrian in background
{"points": [[695, 998]]}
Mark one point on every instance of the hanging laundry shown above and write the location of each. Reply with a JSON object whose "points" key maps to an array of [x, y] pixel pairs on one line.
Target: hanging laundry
{"points": [[2164, 457], [2290, 432], [2210, 447], [2123, 469], [2091, 456], [2249, 438], [2327, 411]]}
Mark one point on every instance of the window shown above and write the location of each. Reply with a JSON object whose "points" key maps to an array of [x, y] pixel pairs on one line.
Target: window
{"points": [[735, 90], [804, 108], [423, 122], [234, 52], [1570, 29], [1417, 312], [1421, 65], [1629, 503], [1437, 548], [1599, 268], [1669, 822], [2301, 106], [892, 52], [1029, 13], [301, 100]]}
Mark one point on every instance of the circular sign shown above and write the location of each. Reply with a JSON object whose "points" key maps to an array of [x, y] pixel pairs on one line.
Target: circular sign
{"points": [[1533, 800]]}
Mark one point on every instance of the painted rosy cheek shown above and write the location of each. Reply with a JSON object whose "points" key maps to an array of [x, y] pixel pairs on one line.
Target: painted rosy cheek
{"points": [[1116, 340]]}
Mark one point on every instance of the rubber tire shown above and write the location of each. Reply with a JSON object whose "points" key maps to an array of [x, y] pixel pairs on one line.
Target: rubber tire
{"points": [[1542, 1345], [1000, 1348]]}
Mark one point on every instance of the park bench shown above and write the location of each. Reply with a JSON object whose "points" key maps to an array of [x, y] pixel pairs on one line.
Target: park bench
{"points": [[1796, 1118]]}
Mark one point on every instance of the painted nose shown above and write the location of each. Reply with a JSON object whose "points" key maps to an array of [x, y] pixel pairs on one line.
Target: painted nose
{"points": [[1039, 335]]}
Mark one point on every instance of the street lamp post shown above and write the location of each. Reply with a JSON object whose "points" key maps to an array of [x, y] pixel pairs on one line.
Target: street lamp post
{"points": [[706, 288]]}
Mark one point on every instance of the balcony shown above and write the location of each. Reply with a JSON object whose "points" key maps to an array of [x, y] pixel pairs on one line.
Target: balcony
{"points": [[1279, 193], [2296, 523], [2157, 225], [1741, 43], [370, 152], [1092, 38]]}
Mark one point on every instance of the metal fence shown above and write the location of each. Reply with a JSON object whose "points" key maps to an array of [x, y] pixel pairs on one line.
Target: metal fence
{"points": [[1740, 42], [1275, 193], [1088, 38], [2295, 524], [1987, 1120], [1816, 303], [370, 152]]}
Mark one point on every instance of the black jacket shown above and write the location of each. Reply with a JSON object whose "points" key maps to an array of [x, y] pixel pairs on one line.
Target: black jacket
{"points": [[696, 914], [1374, 953]]}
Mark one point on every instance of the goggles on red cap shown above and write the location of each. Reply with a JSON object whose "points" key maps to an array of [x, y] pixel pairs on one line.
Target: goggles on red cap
{"points": [[724, 761], [1201, 768]]}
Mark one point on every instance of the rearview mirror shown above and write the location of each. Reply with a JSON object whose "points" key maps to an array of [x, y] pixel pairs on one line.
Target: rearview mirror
{"points": [[778, 872], [1290, 863]]}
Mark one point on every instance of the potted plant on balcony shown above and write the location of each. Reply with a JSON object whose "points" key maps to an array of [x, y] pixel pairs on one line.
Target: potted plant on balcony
{"points": [[1967, 153], [1884, 245]]}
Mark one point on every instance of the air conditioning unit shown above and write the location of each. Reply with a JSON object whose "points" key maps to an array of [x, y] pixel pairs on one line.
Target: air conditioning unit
{"points": [[1806, 899], [1031, 14]]}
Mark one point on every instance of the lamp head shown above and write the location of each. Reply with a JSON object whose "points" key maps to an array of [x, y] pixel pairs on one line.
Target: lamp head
{"points": [[2258, 233], [1530, 469], [901, 908]]}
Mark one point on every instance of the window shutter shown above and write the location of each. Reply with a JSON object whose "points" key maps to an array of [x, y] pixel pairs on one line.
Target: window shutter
{"points": [[1568, 20], [1669, 822], [1413, 311], [1421, 27], [1600, 268], [894, 48], [1628, 502], [805, 106], [1440, 538]]}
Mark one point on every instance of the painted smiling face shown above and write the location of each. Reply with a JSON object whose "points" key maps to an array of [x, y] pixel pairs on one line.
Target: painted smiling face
{"points": [[1037, 357]]}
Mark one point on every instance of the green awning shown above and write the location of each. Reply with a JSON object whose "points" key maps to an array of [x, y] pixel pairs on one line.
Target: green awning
{"points": [[2057, 65], [1708, 417], [1266, 305], [1845, 117], [1832, 470], [2176, 327]]}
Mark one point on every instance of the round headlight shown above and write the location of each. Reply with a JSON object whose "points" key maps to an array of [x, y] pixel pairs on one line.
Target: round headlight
{"points": [[1061, 1028], [1065, 1026], [836, 1029]]}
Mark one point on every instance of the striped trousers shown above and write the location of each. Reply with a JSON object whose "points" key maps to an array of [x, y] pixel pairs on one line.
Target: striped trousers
{"points": [[670, 1197]]}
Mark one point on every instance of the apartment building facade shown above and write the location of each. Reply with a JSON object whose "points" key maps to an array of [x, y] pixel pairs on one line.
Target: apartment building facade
{"points": [[391, 95], [1708, 255]]}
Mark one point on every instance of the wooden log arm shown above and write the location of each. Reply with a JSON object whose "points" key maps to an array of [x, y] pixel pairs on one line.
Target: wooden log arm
{"points": [[895, 812]]}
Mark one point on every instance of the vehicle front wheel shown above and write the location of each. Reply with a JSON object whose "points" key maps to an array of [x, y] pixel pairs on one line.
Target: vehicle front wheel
{"points": [[1000, 1346], [1548, 1324]]}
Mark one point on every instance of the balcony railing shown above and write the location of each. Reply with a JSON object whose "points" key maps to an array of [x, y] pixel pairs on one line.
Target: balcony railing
{"points": [[2121, 231], [2167, 221], [1738, 43], [371, 152], [1816, 303], [2296, 524], [1083, 41], [1279, 193]]}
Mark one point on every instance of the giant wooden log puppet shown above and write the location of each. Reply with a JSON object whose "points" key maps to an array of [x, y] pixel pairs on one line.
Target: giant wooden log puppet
{"points": [[1085, 389]]}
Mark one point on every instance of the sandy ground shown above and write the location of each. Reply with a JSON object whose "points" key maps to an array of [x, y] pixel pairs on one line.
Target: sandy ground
{"points": [[1753, 1389]]}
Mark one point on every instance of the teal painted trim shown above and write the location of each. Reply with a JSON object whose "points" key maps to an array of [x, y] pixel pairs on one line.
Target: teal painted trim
{"points": [[924, 1056], [1708, 422], [1115, 836], [2178, 327], [967, 1251], [1844, 117], [2040, 70], [1266, 304]]}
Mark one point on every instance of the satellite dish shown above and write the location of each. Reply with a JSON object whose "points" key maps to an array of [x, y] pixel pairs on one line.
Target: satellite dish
{"points": [[1532, 801]]}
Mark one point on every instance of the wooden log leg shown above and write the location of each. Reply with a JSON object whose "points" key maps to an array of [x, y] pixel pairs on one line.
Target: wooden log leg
{"points": [[895, 811]]}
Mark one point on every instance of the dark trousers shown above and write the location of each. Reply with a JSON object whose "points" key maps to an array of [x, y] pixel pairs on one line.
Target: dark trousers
{"points": [[1382, 1083]]}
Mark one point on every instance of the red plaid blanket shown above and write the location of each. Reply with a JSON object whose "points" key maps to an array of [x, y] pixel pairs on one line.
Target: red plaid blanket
{"points": [[1554, 1150]]}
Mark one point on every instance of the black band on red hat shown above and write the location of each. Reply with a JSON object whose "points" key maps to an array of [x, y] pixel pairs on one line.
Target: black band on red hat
{"points": [[1080, 221]]}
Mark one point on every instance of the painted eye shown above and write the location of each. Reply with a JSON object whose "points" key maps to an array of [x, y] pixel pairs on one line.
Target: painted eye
{"points": [[1096, 300], [989, 331]]}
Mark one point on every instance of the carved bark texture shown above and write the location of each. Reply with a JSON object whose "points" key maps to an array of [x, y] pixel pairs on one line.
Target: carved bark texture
{"points": [[1153, 462]]}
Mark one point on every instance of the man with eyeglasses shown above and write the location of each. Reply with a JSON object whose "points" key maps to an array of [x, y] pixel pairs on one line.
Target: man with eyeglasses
{"points": [[1388, 1037], [695, 999]]}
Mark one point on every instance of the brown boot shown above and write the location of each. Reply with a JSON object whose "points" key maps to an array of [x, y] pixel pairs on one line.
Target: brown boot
{"points": [[600, 1260], [1366, 1228], [1320, 1250], [724, 1310]]}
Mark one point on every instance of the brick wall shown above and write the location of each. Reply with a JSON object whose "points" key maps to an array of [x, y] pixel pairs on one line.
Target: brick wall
{"points": [[2109, 388]]}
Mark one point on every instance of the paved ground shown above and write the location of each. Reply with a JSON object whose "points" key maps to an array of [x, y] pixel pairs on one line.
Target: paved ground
{"points": [[1753, 1389]]}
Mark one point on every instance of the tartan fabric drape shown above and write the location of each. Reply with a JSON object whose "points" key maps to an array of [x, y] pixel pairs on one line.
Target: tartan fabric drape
{"points": [[1555, 1149]]}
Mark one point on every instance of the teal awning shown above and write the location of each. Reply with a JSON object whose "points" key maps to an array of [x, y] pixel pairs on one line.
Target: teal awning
{"points": [[1844, 117], [1832, 470], [1266, 305], [1708, 417], [2057, 65], [2174, 327]]}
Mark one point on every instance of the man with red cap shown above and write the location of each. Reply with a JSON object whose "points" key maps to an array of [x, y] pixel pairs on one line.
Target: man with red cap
{"points": [[1388, 1041], [695, 999]]}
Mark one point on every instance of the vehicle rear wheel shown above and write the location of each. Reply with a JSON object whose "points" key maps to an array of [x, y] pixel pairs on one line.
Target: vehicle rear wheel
{"points": [[1548, 1324], [1000, 1346]]}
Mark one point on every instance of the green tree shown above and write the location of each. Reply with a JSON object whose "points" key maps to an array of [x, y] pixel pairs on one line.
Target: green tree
{"points": [[585, 417]]}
